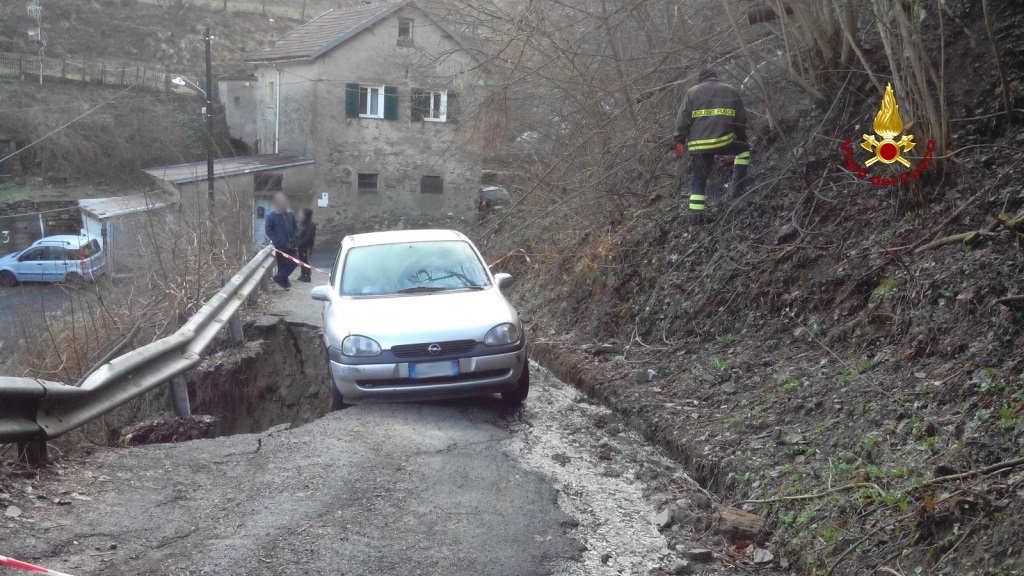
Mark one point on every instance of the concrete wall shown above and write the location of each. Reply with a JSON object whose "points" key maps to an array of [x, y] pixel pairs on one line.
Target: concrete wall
{"points": [[298, 102], [238, 98], [22, 222], [127, 239], [235, 201], [400, 151]]}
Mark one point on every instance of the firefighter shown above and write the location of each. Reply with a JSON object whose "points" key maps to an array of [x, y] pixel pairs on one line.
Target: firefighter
{"points": [[712, 122]]}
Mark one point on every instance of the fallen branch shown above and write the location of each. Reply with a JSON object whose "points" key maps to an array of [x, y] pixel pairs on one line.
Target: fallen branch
{"points": [[979, 472], [876, 530], [815, 495], [1007, 300], [963, 237]]}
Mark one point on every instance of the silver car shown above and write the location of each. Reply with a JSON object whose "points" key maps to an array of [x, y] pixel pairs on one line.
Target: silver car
{"points": [[63, 258], [417, 315]]}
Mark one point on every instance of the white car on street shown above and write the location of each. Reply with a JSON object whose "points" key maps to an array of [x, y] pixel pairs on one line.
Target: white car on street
{"points": [[417, 315], [64, 258]]}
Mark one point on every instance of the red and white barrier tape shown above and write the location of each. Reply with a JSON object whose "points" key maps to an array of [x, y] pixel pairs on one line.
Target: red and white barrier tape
{"points": [[516, 252], [296, 260], [12, 563]]}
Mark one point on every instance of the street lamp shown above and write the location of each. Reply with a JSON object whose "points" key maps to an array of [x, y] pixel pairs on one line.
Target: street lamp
{"points": [[208, 112], [180, 81]]}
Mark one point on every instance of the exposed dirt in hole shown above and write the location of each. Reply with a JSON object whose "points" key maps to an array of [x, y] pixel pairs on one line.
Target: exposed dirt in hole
{"points": [[279, 376]]}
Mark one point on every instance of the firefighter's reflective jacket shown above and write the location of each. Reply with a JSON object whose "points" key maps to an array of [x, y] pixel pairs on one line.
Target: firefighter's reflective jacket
{"points": [[711, 117]]}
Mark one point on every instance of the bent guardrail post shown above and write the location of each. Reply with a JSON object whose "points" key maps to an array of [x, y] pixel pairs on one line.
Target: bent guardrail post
{"points": [[179, 396], [235, 329]]}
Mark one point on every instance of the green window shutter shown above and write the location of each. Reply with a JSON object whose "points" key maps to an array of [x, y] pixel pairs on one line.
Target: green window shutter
{"points": [[391, 103], [453, 110], [352, 100], [420, 101]]}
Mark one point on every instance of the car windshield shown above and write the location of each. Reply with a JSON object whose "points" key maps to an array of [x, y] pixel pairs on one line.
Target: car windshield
{"points": [[412, 268]]}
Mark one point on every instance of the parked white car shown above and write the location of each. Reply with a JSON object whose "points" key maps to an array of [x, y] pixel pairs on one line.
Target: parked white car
{"points": [[63, 258], [417, 315]]}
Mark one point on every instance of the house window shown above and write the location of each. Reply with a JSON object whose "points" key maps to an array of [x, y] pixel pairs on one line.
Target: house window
{"points": [[371, 101], [431, 185], [433, 106], [268, 182], [367, 182], [405, 31], [270, 94]]}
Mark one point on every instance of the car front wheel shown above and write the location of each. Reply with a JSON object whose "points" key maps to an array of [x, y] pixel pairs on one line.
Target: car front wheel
{"points": [[8, 279], [518, 395]]}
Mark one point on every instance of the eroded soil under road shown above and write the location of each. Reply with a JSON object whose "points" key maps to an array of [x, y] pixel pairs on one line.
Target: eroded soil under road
{"points": [[558, 487]]}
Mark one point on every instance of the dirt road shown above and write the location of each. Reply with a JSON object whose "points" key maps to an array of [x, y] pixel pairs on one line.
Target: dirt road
{"points": [[449, 488]]}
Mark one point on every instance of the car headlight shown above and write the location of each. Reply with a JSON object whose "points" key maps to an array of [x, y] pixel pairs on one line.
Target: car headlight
{"points": [[360, 346], [501, 335]]}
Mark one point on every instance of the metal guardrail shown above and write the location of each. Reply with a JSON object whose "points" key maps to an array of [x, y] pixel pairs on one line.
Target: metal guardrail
{"points": [[33, 410]]}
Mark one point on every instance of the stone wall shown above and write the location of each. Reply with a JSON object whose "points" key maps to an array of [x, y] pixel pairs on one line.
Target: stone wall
{"points": [[26, 221]]}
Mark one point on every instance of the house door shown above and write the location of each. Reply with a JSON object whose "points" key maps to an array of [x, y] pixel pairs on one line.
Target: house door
{"points": [[261, 207]]}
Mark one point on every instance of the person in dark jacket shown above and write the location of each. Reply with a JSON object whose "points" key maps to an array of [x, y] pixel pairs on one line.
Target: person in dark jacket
{"points": [[281, 230], [711, 122], [307, 235]]}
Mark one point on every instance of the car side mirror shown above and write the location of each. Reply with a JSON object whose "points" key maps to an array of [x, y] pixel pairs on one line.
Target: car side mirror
{"points": [[321, 293], [505, 281]]}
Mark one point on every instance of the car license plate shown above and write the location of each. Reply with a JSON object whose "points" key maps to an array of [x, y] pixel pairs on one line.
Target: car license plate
{"points": [[434, 369]]}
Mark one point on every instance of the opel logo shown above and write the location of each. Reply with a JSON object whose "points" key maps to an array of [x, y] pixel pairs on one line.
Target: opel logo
{"points": [[434, 348]]}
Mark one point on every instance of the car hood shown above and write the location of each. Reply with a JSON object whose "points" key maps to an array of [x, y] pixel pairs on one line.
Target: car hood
{"points": [[419, 318], [9, 259]]}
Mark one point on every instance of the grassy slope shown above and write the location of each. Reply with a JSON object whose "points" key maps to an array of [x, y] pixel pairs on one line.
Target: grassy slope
{"points": [[140, 128], [800, 344], [143, 32]]}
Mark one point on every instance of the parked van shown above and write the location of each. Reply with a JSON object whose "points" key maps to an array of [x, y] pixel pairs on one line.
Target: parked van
{"points": [[63, 258]]}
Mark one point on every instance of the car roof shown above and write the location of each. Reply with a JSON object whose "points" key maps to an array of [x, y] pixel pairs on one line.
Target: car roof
{"points": [[400, 236], [63, 240]]}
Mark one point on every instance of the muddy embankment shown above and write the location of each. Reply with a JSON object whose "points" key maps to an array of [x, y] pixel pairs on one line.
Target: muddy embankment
{"points": [[572, 368]]}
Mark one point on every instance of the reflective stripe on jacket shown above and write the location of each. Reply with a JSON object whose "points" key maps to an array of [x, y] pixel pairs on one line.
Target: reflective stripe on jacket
{"points": [[711, 117]]}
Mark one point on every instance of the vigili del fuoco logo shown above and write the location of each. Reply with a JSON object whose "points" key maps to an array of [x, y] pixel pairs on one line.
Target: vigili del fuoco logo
{"points": [[888, 126]]}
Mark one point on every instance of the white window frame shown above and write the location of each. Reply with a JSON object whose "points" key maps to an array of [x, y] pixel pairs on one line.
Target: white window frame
{"points": [[442, 95], [380, 101]]}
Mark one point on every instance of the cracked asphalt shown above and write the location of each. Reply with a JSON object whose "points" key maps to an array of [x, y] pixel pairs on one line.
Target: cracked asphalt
{"points": [[457, 488]]}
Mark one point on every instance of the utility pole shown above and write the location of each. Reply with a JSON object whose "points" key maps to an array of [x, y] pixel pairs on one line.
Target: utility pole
{"points": [[209, 135]]}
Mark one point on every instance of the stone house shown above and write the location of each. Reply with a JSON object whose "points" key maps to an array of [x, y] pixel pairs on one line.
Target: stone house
{"points": [[386, 98]]}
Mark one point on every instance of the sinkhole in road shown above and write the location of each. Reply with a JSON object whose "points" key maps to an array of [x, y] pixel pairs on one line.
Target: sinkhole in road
{"points": [[279, 376]]}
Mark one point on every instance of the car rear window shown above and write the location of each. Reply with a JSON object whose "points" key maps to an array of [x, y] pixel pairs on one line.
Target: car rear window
{"points": [[413, 267], [91, 249], [493, 194]]}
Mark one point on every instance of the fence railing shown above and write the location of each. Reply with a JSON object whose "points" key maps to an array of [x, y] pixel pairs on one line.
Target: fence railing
{"points": [[32, 410], [31, 66]]}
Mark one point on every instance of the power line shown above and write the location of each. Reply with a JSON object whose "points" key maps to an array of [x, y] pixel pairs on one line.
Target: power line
{"points": [[63, 126]]}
